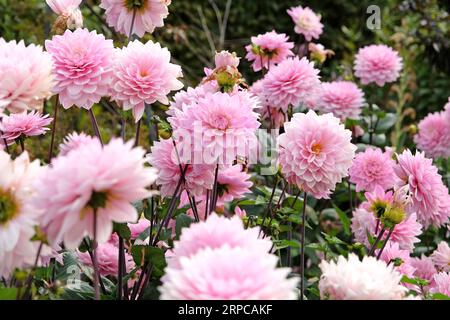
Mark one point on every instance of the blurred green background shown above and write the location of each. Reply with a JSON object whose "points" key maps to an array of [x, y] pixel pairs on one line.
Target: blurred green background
{"points": [[195, 29]]}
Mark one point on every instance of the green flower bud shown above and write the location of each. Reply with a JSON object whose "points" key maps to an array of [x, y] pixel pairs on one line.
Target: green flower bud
{"points": [[393, 216]]}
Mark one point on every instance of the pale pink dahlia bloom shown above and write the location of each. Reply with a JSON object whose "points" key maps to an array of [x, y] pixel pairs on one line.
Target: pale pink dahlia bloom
{"points": [[269, 49], [400, 259], [352, 279], [441, 283], [342, 98], [186, 97], [26, 78], [106, 178], [424, 268], [291, 82], [221, 126], [441, 256], [17, 214], [372, 168], [149, 15], [434, 135], [307, 22], [143, 75], [315, 152], [163, 157], [82, 67], [224, 59], [73, 141], [377, 63], [429, 196], [233, 183], [108, 259], [26, 124]]}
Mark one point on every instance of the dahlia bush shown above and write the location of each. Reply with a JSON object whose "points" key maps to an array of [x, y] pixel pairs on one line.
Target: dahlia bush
{"points": [[221, 166]]}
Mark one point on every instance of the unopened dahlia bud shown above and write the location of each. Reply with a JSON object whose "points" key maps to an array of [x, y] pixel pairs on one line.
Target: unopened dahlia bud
{"points": [[319, 53]]}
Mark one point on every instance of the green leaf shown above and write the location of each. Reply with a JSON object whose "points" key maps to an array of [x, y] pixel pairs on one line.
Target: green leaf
{"points": [[344, 219], [332, 239], [8, 293], [183, 221], [122, 230], [281, 244], [415, 281], [260, 200], [143, 254], [386, 122], [440, 296]]}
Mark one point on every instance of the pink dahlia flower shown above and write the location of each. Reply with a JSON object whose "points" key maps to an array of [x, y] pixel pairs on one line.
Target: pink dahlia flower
{"points": [[307, 22], [82, 67], [73, 141], [186, 97], [424, 268], [228, 273], [143, 75], [400, 259], [17, 214], [291, 82], [342, 98], [441, 283], [225, 59], [429, 196], [221, 126], [441, 256], [352, 279], [377, 63], [315, 152], [372, 168], [106, 178], [214, 233], [163, 156], [276, 116], [26, 124], [269, 49], [139, 227], [149, 15], [434, 135], [233, 183], [108, 259], [26, 78]]}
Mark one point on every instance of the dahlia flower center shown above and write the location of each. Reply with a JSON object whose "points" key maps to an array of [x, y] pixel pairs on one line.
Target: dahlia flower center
{"points": [[131, 5], [316, 148], [98, 200], [220, 122], [8, 207], [378, 207], [305, 22]]}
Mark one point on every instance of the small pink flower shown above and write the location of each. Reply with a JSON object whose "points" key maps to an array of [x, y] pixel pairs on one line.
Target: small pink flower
{"points": [[26, 124], [306, 22], [82, 67], [240, 212], [26, 78], [225, 59], [149, 14], [315, 152], [142, 75], [269, 49], [291, 82], [441, 256], [377, 63], [372, 168], [342, 98], [434, 135], [73, 141]]}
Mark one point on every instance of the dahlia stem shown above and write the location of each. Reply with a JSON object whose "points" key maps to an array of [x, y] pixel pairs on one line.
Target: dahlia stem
{"points": [[213, 201], [385, 242], [370, 124], [132, 24], [269, 205], [120, 271], [375, 244], [350, 195], [52, 141], [95, 126], [22, 145], [289, 235], [94, 259], [272, 214], [91, 255], [302, 248], [207, 203], [138, 133], [31, 275]]}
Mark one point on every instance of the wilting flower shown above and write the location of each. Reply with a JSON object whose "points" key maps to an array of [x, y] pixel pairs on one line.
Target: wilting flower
{"points": [[23, 124], [107, 259], [441, 256], [17, 215], [291, 82], [377, 63], [148, 14], [400, 259], [225, 76], [342, 98], [269, 49], [69, 16], [319, 53], [221, 126], [143, 75], [306, 22], [220, 259], [103, 180], [315, 152], [197, 177], [441, 283], [352, 279], [232, 183], [73, 141], [429, 196], [82, 67], [372, 168], [25, 76], [434, 135]]}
